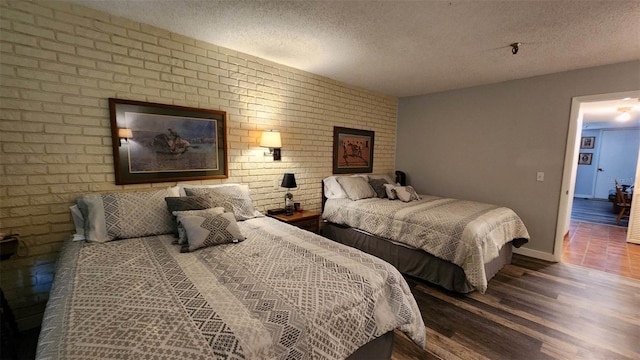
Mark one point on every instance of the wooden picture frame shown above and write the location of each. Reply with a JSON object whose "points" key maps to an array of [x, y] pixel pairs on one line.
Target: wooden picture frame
{"points": [[585, 158], [587, 142], [165, 143], [352, 150]]}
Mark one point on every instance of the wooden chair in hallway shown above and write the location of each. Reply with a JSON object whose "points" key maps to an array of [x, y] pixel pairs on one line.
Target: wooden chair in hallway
{"points": [[623, 205]]}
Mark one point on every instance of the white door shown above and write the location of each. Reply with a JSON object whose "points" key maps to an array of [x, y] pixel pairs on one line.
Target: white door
{"points": [[617, 160]]}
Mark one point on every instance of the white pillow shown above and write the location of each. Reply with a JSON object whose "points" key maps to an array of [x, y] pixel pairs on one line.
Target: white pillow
{"points": [[333, 190], [78, 222], [389, 190], [356, 187]]}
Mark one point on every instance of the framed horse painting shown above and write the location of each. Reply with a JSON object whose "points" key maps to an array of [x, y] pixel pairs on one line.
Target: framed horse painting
{"points": [[352, 150], [163, 143]]}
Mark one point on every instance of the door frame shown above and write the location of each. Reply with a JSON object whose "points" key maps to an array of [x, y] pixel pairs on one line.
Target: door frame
{"points": [[568, 185]]}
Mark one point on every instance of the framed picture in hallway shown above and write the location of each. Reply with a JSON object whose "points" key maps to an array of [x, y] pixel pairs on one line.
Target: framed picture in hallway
{"points": [[585, 158], [352, 150], [588, 142]]}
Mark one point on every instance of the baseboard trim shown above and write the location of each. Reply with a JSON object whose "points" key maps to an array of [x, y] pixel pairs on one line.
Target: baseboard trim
{"points": [[535, 254]]}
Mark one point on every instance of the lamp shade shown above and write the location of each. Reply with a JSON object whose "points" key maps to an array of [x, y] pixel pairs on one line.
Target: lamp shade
{"points": [[270, 139], [125, 133], [289, 181]]}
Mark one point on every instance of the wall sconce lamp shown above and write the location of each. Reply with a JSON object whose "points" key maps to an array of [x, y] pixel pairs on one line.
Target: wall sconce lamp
{"points": [[271, 139], [124, 134]]}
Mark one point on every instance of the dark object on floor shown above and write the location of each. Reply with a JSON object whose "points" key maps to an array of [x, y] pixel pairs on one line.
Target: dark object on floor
{"points": [[9, 332]]}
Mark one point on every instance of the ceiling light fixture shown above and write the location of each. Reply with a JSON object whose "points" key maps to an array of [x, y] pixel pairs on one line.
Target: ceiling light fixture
{"points": [[625, 113], [515, 47]]}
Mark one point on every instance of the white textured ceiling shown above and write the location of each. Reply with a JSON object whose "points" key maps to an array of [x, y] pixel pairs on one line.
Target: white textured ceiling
{"points": [[405, 48], [605, 114]]}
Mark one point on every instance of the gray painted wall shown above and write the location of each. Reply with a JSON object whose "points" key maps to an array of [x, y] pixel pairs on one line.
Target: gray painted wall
{"points": [[486, 143]]}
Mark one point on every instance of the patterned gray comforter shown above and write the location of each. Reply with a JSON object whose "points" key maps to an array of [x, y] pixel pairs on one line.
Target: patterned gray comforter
{"points": [[283, 293], [466, 233]]}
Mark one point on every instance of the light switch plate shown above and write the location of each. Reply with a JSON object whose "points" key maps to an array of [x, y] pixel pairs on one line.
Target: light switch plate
{"points": [[540, 176]]}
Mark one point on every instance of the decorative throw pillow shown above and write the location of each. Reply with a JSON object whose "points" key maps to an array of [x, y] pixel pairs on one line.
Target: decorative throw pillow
{"points": [[405, 193], [210, 230], [356, 187], [388, 188], [378, 186], [390, 179], [183, 203], [182, 236], [183, 186], [125, 215], [233, 198]]}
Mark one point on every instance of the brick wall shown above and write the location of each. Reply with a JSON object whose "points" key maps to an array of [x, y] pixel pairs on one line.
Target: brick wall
{"points": [[59, 63]]}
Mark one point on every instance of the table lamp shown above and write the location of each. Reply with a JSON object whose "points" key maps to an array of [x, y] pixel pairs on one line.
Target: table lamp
{"points": [[289, 182]]}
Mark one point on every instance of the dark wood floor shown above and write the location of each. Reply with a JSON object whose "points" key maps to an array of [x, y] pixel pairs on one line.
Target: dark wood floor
{"points": [[532, 310]]}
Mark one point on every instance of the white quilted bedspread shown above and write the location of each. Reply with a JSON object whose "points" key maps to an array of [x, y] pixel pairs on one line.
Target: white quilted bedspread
{"points": [[466, 233], [283, 293]]}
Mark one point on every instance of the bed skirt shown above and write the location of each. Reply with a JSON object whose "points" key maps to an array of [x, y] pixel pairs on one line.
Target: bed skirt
{"points": [[378, 348], [414, 262]]}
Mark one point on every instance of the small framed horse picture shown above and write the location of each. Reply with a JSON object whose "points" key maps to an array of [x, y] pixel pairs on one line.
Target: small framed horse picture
{"points": [[166, 143], [352, 150]]}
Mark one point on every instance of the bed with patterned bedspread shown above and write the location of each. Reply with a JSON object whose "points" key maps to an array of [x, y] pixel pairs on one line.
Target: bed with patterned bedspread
{"points": [[466, 233], [282, 293]]}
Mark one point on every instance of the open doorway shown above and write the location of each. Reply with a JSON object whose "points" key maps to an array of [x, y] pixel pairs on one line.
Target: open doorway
{"points": [[608, 153], [590, 170]]}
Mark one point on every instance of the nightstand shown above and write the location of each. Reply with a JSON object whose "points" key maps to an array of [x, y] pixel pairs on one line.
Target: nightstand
{"points": [[307, 220]]}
